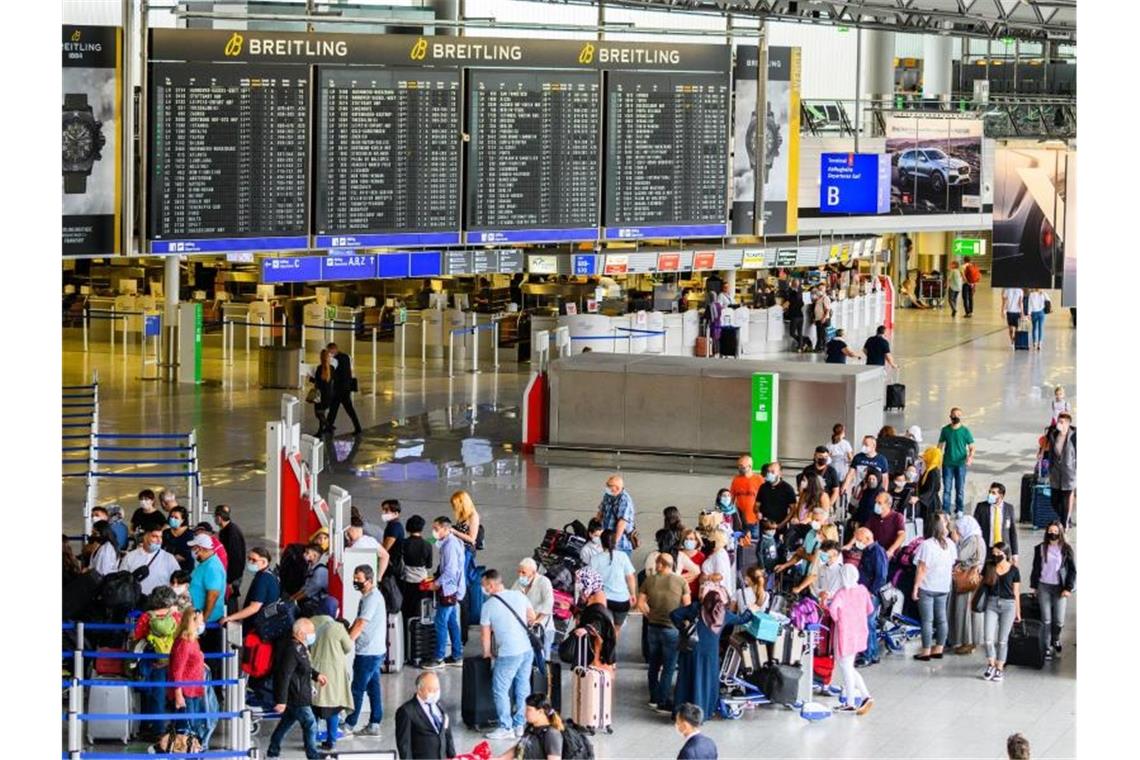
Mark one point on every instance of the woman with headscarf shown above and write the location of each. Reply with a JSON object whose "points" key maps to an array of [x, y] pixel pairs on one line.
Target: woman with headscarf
{"points": [[698, 673], [965, 624], [872, 486], [930, 484], [595, 620], [849, 610]]}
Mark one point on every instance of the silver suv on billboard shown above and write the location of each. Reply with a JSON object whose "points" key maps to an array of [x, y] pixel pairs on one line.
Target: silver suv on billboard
{"points": [[933, 166]]}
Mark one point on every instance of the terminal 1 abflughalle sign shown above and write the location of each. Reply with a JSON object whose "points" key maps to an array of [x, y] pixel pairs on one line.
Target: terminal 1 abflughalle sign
{"points": [[855, 183]]}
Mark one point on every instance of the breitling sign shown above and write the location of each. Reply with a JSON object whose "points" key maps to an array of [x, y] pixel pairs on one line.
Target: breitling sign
{"points": [[92, 115], [451, 52]]}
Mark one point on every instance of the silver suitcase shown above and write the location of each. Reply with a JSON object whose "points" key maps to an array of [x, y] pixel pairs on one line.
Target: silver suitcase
{"points": [[110, 700], [394, 657]]}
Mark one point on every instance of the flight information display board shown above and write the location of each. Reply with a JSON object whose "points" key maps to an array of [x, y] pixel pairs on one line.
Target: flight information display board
{"points": [[228, 157], [388, 163], [666, 155], [534, 156]]}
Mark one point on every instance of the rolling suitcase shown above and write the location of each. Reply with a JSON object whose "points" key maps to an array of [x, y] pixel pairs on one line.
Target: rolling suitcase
{"points": [[704, 347], [1030, 607], [729, 341], [550, 684], [1043, 513], [110, 700], [592, 698], [1021, 340], [1025, 507], [394, 657], [477, 709], [896, 396], [898, 450], [421, 634], [1027, 643]]}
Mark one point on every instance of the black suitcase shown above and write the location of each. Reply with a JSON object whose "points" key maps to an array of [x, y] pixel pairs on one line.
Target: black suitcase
{"points": [[1043, 513], [779, 683], [477, 708], [421, 641], [1021, 340], [898, 450], [1030, 607], [551, 685], [1027, 643], [1025, 508], [729, 340], [896, 396]]}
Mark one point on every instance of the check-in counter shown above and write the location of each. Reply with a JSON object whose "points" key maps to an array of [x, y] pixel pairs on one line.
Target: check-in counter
{"points": [[101, 323], [757, 344], [777, 332]]}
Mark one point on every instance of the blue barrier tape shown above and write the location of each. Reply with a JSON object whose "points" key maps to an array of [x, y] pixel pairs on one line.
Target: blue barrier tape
{"points": [[76, 415], [465, 330], [252, 324], [78, 395], [139, 437], [146, 461], [601, 337], [167, 755], [641, 332], [144, 655], [152, 684], [77, 538], [143, 448], [69, 626], [119, 626], [97, 717], [75, 474], [195, 475], [109, 318]]}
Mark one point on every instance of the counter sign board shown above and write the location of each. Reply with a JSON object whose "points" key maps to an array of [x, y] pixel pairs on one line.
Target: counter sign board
{"points": [[855, 183], [763, 419]]}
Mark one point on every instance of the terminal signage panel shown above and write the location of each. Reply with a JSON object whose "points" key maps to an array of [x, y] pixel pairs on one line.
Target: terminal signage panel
{"points": [[585, 264], [617, 264], [394, 264], [542, 264], [348, 266], [458, 262], [666, 155], [291, 269], [704, 260], [786, 257], [753, 259], [511, 261], [425, 264], [533, 158], [229, 157], [855, 183], [668, 262], [387, 148], [484, 261]]}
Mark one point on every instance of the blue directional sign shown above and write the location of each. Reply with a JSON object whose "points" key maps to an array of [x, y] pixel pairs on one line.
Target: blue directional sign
{"points": [[855, 183], [394, 265], [425, 264], [291, 269], [342, 265], [585, 264]]}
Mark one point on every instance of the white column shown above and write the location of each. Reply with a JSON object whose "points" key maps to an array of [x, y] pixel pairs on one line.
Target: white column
{"points": [[170, 286], [878, 65], [937, 67]]}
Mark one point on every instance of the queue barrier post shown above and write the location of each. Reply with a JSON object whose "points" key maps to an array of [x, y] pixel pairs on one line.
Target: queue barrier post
{"points": [[423, 341], [374, 328], [495, 342], [86, 323], [247, 340], [474, 345], [75, 696], [112, 330], [403, 343], [284, 330], [451, 354]]}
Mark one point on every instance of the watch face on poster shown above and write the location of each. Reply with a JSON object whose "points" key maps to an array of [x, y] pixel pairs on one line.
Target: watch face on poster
{"points": [[83, 141]]}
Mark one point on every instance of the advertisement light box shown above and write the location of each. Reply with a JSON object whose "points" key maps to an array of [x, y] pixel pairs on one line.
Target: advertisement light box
{"points": [[855, 183]]}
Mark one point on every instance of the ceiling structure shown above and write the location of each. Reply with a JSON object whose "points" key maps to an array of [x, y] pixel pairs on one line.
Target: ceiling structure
{"points": [[1037, 20]]}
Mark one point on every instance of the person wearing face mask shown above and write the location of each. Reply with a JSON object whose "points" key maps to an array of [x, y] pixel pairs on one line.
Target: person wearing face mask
{"points": [[293, 678], [423, 727], [868, 459], [1000, 594], [957, 444], [232, 538], [872, 487], [733, 522], [450, 586], [180, 585], [593, 547], [768, 550], [873, 566], [776, 498], [155, 629], [830, 567], [852, 610], [207, 593], [1053, 578], [118, 529], [692, 549], [965, 624], [160, 564], [187, 664], [311, 598], [329, 655], [264, 589], [839, 450], [616, 513], [394, 535], [822, 468], [538, 591], [698, 671], [886, 525], [176, 537], [929, 484], [100, 548], [1061, 453], [745, 488], [148, 515], [660, 594], [934, 563], [997, 520], [370, 632]]}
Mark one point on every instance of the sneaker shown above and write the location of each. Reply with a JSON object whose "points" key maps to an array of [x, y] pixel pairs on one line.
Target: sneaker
{"points": [[865, 708], [431, 665], [1048, 653], [500, 734], [372, 729], [453, 662], [345, 731], [998, 676], [1057, 647], [989, 674], [651, 703], [664, 709], [845, 708], [519, 731]]}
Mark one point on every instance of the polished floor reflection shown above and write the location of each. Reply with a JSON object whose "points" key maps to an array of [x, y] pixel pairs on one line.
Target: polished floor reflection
{"points": [[427, 434]]}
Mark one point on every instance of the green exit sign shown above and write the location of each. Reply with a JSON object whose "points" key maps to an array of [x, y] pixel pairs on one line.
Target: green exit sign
{"points": [[969, 247], [1007, 40]]}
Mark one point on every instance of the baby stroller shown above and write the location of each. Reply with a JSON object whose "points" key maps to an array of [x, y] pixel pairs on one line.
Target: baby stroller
{"points": [[895, 628]]}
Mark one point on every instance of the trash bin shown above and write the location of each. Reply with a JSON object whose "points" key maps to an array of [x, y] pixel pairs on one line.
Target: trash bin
{"points": [[279, 367]]}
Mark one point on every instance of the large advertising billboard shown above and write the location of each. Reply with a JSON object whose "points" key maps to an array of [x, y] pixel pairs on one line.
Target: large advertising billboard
{"points": [[1029, 217], [92, 123], [936, 164], [766, 139]]}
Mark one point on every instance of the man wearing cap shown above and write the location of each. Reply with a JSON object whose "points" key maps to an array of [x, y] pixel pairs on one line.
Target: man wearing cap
{"points": [[231, 537], [207, 592]]}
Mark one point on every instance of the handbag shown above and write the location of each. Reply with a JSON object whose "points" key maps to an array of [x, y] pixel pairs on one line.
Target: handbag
{"points": [[966, 579], [177, 742], [689, 638], [981, 597], [634, 539], [313, 396], [763, 627]]}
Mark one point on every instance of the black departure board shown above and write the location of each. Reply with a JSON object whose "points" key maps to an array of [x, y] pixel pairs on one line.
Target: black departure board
{"points": [[388, 163], [229, 157], [666, 154], [533, 156]]}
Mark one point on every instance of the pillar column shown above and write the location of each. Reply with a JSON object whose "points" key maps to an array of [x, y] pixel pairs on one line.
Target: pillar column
{"points": [[878, 66], [937, 67], [171, 282]]}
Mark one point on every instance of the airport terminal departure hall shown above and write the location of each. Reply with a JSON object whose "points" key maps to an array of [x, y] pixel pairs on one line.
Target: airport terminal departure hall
{"points": [[620, 379]]}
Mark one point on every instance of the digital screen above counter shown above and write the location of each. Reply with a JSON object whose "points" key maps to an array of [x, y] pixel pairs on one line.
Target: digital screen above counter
{"points": [[346, 265], [666, 155], [229, 158], [388, 163], [533, 160]]}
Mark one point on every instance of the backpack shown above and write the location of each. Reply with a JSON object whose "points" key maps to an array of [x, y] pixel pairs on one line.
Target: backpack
{"points": [[275, 620], [292, 569], [160, 639], [575, 745], [256, 656], [120, 591], [904, 560], [805, 612], [819, 308]]}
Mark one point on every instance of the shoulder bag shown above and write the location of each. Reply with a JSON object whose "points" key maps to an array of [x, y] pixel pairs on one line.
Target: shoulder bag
{"points": [[688, 639], [535, 634], [981, 597], [966, 578]]}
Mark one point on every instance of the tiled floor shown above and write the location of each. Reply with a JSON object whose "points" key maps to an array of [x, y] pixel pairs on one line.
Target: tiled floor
{"points": [[921, 710]]}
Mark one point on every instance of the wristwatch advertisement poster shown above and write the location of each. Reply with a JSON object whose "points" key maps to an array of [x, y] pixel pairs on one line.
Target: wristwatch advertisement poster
{"points": [[92, 144]]}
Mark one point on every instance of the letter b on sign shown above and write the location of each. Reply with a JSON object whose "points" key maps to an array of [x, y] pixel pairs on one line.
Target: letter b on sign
{"points": [[833, 196]]}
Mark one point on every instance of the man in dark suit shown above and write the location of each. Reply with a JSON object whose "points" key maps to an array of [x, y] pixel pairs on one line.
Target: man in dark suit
{"points": [[343, 382], [1003, 529], [688, 724], [423, 729]]}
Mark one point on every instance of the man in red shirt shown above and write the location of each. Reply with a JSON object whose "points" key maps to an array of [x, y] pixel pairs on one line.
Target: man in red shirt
{"points": [[972, 276], [887, 526], [744, 488]]}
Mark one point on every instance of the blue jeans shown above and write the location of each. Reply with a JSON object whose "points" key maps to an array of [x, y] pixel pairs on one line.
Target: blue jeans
{"points": [[932, 611], [872, 652], [1037, 320], [366, 677], [195, 725], [447, 626], [954, 476], [752, 530], [304, 716], [662, 657], [331, 724], [507, 671], [153, 699]]}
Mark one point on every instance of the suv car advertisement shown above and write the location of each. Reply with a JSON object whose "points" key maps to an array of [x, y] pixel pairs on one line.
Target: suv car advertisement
{"points": [[1029, 217], [936, 165]]}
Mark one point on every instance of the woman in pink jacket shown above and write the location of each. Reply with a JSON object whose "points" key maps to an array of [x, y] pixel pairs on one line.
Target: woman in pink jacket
{"points": [[849, 609]]}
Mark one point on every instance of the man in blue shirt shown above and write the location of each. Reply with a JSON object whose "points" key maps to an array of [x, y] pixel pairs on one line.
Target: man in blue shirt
{"points": [[451, 586], [208, 594], [869, 456], [506, 614], [370, 632], [616, 513]]}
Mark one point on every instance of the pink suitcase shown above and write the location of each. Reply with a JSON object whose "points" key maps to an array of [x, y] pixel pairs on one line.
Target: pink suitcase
{"points": [[592, 707]]}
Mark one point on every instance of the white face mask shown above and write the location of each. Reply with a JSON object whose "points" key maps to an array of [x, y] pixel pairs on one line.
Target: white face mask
{"points": [[867, 450], [815, 525], [387, 517], [432, 697]]}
